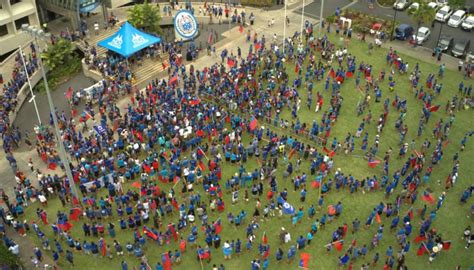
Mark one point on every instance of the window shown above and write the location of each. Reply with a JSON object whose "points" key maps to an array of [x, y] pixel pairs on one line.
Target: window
{"points": [[3, 30], [20, 22]]}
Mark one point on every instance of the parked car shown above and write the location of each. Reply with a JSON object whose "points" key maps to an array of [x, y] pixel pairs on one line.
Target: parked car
{"points": [[445, 43], [403, 32], [457, 18], [443, 14], [442, 2], [401, 4], [414, 6], [468, 23], [469, 8], [470, 57], [433, 5], [422, 35], [461, 48]]}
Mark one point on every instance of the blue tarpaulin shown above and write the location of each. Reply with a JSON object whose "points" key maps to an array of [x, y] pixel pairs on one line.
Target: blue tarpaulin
{"points": [[128, 40]]}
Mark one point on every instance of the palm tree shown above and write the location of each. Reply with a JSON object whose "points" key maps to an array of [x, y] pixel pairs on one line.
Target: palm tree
{"points": [[58, 54], [423, 15]]}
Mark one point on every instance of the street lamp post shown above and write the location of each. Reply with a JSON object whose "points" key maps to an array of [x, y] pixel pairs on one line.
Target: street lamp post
{"points": [[302, 21], [393, 24], [33, 97], [439, 34], [62, 152], [284, 29], [321, 19]]}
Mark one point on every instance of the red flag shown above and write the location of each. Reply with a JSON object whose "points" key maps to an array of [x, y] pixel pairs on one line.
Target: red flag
{"points": [[304, 259], [44, 217], [253, 124], [241, 29], [338, 245], [258, 46], [266, 253], [149, 233], [200, 133], [75, 201], [329, 152], [103, 248], [65, 226], [174, 79], [173, 232], [421, 250], [218, 226], [420, 238], [174, 203], [377, 218], [349, 74], [315, 184], [146, 168], [374, 163], [292, 152], [446, 245], [194, 101], [230, 62], [434, 108], [69, 93], [75, 213], [428, 197], [201, 165], [264, 238], [166, 261], [209, 39], [136, 184]]}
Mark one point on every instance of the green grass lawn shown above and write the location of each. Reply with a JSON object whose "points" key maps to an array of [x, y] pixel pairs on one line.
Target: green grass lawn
{"points": [[451, 219]]}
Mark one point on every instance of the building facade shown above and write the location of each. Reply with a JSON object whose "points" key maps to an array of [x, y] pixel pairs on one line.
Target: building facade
{"points": [[14, 13]]}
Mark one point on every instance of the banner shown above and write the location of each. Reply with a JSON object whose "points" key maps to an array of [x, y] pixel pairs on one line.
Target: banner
{"points": [[185, 26]]}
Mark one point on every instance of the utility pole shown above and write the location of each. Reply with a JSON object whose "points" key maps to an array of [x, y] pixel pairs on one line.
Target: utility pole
{"points": [[302, 21], [321, 19], [33, 97], [393, 24], [284, 29]]}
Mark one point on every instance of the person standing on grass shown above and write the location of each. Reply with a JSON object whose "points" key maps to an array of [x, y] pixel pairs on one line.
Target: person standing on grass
{"points": [[69, 257]]}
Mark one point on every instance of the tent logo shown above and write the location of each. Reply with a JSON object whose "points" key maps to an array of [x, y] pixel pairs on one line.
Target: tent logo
{"points": [[186, 25], [116, 42], [138, 40]]}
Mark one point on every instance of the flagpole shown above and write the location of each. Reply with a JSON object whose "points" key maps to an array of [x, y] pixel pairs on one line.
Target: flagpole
{"points": [[321, 18], [200, 260], [284, 29], [33, 97], [302, 22], [332, 243]]}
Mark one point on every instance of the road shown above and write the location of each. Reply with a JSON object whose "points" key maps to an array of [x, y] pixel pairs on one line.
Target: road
{"points": [[330, 6]]}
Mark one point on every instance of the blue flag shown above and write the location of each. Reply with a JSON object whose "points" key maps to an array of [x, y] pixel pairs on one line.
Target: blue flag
{"points": [[288, 208], [100, 130]]}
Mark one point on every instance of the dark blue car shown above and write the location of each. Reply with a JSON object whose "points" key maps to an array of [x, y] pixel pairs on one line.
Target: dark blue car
{"points": [[403, 32]]}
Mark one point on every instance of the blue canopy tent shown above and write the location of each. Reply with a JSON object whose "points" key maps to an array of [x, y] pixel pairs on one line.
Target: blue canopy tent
{"points": [[128, 40]]}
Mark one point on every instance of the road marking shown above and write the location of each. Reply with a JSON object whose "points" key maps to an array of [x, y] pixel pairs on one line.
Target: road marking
{"points": [[350, 4]]}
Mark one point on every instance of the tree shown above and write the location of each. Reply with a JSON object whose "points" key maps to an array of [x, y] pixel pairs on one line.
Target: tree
{"points": [[457, 3], [58, 54], [423, 15], [146, 17]]}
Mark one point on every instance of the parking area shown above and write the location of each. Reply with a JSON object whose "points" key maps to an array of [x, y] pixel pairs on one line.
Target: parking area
{"points": [[402, 16]]}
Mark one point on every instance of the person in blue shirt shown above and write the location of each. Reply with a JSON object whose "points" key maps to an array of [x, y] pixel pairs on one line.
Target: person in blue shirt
{"points": [[159, 266], [291, 253], [124, 265]]}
